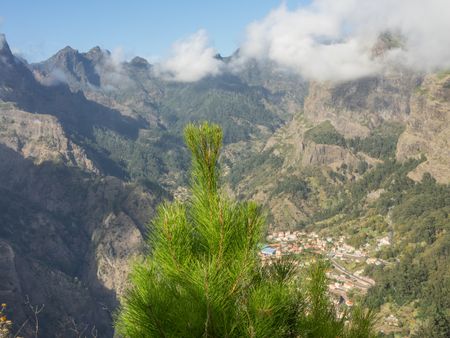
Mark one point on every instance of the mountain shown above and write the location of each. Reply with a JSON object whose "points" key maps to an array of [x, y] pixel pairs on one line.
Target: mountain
{"points": [[367, 160], [246, 105], [88, 150], [427, 130], [90, 145], [67, 230], [67, 236]]}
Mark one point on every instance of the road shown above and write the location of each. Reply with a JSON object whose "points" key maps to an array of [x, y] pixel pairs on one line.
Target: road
{"points": [[364, 283]]}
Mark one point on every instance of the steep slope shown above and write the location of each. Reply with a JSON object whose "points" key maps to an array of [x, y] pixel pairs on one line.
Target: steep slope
{"points": [[357, 106], [249, 104], [68, 236], [355, 163], [428, 129], [67, 231], [78, 117], [40, 137], [342, 130]]}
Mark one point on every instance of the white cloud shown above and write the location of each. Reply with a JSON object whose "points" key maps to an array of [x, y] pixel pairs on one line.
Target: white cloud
{"points": [[117, 57], [55, 77], [333, 39], [191, 59], [111, 69]]}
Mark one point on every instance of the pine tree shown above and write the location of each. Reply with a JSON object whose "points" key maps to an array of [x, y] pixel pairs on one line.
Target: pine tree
{"points": [[203, 277]]}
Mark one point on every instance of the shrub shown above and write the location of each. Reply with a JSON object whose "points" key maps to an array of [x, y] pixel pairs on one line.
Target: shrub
{"points": [[203, 277]]}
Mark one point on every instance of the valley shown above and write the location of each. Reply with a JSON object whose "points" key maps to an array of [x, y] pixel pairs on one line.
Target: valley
{"points": [[357, 172]]}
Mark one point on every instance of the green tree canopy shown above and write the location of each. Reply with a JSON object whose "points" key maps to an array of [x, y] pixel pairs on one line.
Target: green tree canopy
{"points": [[203, 277]]}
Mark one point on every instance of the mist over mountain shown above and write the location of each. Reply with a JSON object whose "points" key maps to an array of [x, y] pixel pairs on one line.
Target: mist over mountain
{"points": [[91, 143]]}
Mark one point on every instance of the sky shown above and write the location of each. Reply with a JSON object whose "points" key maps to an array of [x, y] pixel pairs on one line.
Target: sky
{"points": [[325, 40], [38, 29]]}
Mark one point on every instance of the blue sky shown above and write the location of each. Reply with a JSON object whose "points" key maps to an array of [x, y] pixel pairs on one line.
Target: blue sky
{"points": [[37, 29]]}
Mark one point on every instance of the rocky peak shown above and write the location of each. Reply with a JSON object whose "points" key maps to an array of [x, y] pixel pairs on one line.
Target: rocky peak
{"points": [[15, 76], [96, 54], [218, 57], [66, 53], [387, 41], [139, 62], [5, 52], [78, 69]]}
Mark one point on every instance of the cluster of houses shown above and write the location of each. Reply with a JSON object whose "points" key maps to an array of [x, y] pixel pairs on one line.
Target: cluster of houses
{"points": [[341, 280]]}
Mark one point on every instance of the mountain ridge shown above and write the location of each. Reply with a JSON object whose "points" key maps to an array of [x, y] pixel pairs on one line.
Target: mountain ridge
{"points": [[91, 146]]}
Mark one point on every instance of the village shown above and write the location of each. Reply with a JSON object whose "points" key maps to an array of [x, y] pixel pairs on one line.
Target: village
{"points": [[344, 283]]}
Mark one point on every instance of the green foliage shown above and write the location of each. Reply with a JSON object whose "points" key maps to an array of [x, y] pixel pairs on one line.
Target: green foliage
{"points": [[239, 109], [381, 143], [295, 186], [416, 215], [420, 215], [325, 133], [362, 167], [203, 277], [437, 326], [151, 156], [5, 323], [265, 158]]}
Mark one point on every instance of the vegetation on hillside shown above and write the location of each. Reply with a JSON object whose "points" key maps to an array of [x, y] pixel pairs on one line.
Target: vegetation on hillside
{"points": [[151, 157], [325, 133], [420, 218], [416, 216], [238, 108], [380, 143]]}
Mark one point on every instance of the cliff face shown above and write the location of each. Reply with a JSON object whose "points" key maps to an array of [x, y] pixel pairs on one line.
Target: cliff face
{"points": [[40, 138], [365, 117], [420, 103], [357, 106], [332, 156], [67, 230], [428, 128], [68, 237]]}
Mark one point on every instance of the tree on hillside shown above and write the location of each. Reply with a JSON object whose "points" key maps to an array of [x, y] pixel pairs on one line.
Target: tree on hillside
{"points": [[203, 277]]}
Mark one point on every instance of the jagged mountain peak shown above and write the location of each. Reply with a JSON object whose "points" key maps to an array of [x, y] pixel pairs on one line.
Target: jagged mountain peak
{"points": [[387, 41], [5, 51], [139, 62], [97, 54], [3, 43], [95, 50], [77, 67], [66, 51]]}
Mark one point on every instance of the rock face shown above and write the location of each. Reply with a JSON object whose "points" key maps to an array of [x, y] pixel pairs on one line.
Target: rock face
{"points": [[67, 237], [421, 103], [10, 289], [356, 110], [356, 106], [67, 230], [428, 129], [41, 138], [326, 155]]}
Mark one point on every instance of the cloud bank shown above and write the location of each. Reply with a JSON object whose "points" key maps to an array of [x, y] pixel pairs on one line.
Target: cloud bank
{"points": [[335, 39], [54, 78], [111, 68], [191, 59]]}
